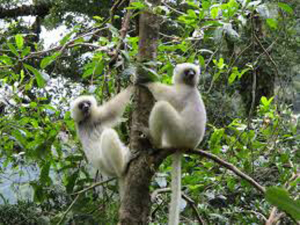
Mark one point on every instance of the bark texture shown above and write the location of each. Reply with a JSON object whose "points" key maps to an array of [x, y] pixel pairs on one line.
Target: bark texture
{"points": [[136, 203]]}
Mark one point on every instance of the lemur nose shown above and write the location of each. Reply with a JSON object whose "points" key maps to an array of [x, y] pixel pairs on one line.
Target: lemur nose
{"points": [[85, 107], [191, 73]]}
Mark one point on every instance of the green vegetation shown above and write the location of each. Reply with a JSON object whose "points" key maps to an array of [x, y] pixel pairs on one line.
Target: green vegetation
{"points": [[249, 57]]}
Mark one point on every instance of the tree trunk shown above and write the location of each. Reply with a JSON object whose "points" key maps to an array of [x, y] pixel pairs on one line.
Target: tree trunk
{"points": [[136, 203]]}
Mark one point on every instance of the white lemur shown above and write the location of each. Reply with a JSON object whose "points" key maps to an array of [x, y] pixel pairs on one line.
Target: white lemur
{"points": [[100, 142], [177, 120]]}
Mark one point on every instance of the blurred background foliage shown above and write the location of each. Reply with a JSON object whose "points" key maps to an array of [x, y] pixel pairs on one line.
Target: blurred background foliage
{"points": [[53, 51]]}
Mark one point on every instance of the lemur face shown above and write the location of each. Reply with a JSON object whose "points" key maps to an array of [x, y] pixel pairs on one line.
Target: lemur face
{"points": [[189, 75], [85, 107], [186, 73]]}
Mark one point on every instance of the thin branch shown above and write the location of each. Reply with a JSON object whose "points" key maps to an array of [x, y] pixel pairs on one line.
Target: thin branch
{"points": [[68, 45], [273, 217], [123, 32], [114, 7], [93, 186], [77, 196], [268, 48], [229, 166], [68, 210], [193, 205], [267, 53], [173, 9], [238, 56], [253, 98], [185, 197], [158, 192]]}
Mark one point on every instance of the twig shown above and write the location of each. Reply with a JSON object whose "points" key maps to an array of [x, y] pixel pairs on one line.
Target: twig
{"points": [[272, 218], [158, 191], [229, 166], [175, 10], [253, 98], [193, 205], [238, 56], [268, 48], [68, 44], [123, 32], [267, 53], [77, 196], [258, 214], [93, 186], [68, 210], [114, 7], [185, 197]]}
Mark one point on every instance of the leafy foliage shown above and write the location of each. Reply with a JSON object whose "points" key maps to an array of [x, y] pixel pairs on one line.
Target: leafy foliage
{"points": [[280, 198], [241, 47]]}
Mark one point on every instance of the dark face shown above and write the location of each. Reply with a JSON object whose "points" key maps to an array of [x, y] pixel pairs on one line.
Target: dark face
{"points": [[84, 107], [189, 76]]}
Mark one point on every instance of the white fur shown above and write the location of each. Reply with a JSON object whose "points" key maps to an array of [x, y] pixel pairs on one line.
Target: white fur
{"points": [[101, 144], [177, 120]]}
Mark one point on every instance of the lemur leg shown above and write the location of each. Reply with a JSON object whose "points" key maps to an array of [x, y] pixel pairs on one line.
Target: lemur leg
{"points": [[165, 120], [113, 151]]}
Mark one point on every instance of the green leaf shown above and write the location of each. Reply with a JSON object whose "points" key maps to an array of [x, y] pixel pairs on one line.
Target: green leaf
{"points": [[136, 6], [19, 41], [192, 13], [71, 182], [49, 59], [205, 5], [38, 76], [22, 75], [285, 7], [88, 73], [98, 18], [44, 175], [13, 49], [25, 51], [45, 62], [29, 85], [280, 198], [214, 12], [233, 75], [264, 101], [201, 61], [243, 72], [193, 4], [39, 194], [215, 139], [6, 60], [272, 23]]}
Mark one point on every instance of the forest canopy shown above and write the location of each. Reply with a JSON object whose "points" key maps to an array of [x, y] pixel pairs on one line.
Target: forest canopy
{"points": [[246, 169]]}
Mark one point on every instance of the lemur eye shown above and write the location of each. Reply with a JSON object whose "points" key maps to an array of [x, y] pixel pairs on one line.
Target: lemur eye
{"points": [[80, 106]]}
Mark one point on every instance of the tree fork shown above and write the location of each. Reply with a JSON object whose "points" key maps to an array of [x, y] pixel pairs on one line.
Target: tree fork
{"points": [[136, 202]]}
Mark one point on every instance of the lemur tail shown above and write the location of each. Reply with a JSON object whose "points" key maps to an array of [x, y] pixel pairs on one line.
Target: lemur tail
{"points": [[176, 189]]}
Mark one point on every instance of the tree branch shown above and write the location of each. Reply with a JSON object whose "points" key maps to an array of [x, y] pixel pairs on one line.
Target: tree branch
{"points": [[26, 10], [230, 167]]}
